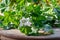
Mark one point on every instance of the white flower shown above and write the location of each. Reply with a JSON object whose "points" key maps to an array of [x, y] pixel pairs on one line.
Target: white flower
{"points": [[25, 22], [22, 21]]}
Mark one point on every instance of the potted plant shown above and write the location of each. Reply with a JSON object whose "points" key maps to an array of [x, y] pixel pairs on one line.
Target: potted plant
{"points": [[31, 17]]}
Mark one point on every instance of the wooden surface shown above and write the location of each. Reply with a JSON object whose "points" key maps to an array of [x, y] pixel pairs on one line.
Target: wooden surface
{"points": [[6, 38], [16, 34]]}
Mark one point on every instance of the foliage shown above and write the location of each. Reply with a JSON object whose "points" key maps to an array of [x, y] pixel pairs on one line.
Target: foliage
{"points": [[40, 12]]}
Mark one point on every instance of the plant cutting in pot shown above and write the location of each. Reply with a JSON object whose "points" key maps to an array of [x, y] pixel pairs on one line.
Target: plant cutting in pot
{"points": [[27, 28]]}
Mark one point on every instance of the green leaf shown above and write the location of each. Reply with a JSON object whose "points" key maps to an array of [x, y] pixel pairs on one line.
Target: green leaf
{"points": [[25, 30]]}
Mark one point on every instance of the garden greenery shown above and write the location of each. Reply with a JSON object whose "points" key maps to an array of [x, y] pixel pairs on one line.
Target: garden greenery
{"points": [[37, 13]]}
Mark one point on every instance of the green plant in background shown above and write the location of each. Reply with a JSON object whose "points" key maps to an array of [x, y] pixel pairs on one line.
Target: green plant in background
{"points": [[38, 13], [11, 14]]}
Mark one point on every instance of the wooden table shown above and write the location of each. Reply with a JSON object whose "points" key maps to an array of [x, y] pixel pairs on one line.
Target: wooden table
{"points": [[17, 35]]}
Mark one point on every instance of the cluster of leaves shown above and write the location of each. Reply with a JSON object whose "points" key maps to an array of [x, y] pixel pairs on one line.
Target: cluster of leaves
{"points": [[12, 14], [40, 11]]}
